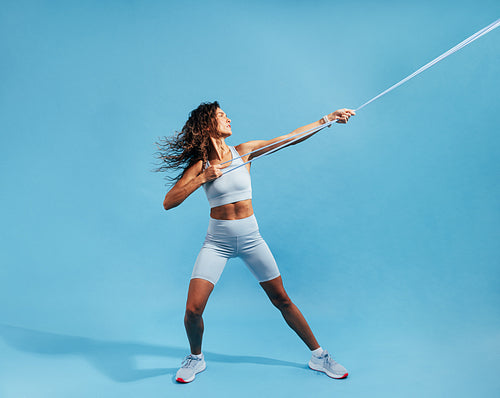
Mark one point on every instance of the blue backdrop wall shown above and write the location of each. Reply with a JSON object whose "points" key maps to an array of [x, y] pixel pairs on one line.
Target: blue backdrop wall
{"points": [[385, 229]]}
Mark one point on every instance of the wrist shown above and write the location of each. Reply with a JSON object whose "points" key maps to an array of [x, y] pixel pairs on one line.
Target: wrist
{"points": [[325, 120]]}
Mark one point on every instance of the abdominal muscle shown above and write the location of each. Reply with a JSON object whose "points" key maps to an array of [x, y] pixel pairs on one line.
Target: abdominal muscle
{"points": [[233, 211]]}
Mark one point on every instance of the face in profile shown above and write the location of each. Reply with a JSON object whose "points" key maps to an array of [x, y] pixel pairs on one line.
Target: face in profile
{"points": [[223, 123]]}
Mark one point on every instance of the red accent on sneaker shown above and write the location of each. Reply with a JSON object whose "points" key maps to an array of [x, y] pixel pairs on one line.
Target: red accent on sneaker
{"points": [[180, 380], [343, 377]]}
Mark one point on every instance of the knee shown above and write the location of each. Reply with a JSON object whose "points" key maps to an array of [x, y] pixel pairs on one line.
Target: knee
{"points": [[193, 312], [281, 301]]}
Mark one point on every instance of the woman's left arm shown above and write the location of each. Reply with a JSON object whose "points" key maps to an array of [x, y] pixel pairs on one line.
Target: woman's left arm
{"points": [[341, 116]]}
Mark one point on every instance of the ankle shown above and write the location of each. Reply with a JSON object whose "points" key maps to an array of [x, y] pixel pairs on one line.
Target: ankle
{"points": [[199, 356], [317, 352]]}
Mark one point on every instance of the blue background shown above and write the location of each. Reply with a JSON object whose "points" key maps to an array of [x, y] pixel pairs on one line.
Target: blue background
{"points": [[385, 230]]}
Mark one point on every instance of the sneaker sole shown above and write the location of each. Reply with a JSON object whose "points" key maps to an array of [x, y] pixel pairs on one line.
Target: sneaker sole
{"points": [[180, 380], [329, 374]]}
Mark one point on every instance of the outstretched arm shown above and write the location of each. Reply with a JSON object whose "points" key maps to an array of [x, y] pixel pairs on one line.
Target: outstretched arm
{"points": [[341, 115], [191, 180]]}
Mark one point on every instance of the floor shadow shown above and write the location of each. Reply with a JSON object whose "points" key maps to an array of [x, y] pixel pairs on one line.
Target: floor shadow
{"points": [[116, 360]]}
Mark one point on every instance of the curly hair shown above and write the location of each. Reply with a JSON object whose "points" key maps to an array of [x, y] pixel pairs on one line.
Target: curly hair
{"points": [[191, 144]]}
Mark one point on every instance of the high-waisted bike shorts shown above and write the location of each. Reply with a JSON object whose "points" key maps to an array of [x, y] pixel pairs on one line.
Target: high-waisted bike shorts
{"points": [[234, 238]]}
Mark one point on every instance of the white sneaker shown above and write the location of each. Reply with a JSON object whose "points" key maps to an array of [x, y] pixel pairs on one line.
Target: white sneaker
{"points": [[190, 366], [326, 364]]}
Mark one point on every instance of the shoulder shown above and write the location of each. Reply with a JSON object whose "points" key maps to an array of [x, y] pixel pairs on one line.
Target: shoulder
{"points": [[245, 148]]}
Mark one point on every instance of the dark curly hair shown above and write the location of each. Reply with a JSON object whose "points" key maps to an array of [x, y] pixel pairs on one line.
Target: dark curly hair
{"points": [[191, 144]]}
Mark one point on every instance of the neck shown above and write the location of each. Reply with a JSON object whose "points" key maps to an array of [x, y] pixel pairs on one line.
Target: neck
{"points": [[219, 146]]}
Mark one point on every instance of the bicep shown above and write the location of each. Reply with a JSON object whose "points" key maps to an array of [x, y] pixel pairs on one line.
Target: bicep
{"points": [[259, 147]]}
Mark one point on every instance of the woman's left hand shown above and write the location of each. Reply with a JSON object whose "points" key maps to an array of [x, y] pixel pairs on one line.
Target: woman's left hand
{"points": [[341, 115]]}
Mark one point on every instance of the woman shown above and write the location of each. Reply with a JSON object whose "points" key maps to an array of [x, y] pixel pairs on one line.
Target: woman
{"points": [[201, 154]]}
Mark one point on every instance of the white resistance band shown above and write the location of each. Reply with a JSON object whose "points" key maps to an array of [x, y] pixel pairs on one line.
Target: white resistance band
{"points": [[296, 137]]}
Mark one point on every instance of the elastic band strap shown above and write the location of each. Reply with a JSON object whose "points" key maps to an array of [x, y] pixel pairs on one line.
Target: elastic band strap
{"points": [[459, 46], [307, 133], [304, 133]]}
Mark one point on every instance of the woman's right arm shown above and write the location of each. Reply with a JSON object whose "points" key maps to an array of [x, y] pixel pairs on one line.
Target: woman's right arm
{"points": [[191, 180]]}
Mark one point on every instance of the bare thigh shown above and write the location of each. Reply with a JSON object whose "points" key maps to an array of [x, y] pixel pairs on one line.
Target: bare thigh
{"points": [[198, 294]]}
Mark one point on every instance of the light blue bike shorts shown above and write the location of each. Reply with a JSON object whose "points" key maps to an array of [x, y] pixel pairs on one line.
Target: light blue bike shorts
{"points": [[234, 238]]}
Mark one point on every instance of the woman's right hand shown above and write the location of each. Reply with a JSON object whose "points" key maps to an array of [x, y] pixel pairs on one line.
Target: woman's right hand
{"points": [[212, 172]]}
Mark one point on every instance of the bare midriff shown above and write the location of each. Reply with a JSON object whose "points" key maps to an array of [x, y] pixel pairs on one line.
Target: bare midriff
{"points": [[233, 211]]}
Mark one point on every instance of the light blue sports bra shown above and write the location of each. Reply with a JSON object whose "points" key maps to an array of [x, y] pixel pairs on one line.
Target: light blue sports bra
{"points": [[231, 187]]}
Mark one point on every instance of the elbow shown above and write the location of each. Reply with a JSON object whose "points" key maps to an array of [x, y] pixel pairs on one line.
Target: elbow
{"points": [[166, 203], [169, 203]]}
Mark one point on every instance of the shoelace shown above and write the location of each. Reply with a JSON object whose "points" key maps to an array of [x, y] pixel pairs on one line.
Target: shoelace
{"points": [[190, 361], [328, 359]]}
